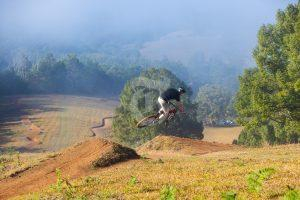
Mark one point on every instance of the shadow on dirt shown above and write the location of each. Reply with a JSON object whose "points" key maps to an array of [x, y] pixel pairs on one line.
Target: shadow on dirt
{"points": [[15, 108], [12, 108]]}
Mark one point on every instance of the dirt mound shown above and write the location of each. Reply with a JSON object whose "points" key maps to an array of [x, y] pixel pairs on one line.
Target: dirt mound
{"points": [[181, 145], [79, 160], [117, 154]]}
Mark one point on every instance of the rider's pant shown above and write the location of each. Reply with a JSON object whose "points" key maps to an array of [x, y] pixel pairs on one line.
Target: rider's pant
{"points": [[164, 107]]}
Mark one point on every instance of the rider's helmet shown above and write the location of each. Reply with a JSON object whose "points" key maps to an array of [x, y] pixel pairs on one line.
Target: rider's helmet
{"points": [[181, 90]]}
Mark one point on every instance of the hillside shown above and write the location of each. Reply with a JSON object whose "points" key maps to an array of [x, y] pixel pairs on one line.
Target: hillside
{"points": [[77, 161], [201, 176]]}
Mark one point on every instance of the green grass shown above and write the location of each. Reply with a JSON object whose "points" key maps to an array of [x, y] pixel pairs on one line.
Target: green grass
{"points": [[211, 176]]}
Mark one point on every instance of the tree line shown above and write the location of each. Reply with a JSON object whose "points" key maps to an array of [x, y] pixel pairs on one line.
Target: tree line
{"points": [[65, 76]]}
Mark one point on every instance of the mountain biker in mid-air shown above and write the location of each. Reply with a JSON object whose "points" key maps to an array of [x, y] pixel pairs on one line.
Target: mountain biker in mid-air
{"points": [[166, 111], [164, 99]]}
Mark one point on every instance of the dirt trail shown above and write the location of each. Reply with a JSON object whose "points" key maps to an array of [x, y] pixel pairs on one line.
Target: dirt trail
{"points": [[73, 162], [103, 129]]}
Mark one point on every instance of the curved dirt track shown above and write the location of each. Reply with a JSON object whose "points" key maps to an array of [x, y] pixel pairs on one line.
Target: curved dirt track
{"points": [[102, 129], [74, 162]]}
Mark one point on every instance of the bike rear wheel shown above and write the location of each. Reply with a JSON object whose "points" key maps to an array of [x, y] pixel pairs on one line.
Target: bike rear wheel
{"points": [[148, 121]]}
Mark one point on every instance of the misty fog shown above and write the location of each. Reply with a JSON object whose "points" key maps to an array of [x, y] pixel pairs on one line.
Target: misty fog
{"points": [[194, 33]]}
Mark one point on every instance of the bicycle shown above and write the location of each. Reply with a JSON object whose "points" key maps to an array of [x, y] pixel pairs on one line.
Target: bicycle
{"points": [[154, 119]]}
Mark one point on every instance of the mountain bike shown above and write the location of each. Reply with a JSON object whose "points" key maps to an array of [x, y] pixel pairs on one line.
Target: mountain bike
{"points": [[154, 119]]}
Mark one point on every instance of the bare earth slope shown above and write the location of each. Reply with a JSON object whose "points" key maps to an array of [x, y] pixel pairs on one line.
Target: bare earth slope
{"points": [[73, 162], [181, 145]]}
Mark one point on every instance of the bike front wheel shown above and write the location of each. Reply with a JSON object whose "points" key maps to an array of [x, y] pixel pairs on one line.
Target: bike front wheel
{"points": [[148, 121]]}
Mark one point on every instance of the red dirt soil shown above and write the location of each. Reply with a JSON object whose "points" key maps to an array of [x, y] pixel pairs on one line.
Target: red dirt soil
{"points": [[181, 145], [74, 162]]}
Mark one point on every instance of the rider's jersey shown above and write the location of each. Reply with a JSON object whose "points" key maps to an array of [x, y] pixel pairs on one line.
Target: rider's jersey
{"points": [[170, 94]]}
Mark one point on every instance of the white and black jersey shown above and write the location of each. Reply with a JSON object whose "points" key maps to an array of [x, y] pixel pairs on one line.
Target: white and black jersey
{"points": [[170, 94]]}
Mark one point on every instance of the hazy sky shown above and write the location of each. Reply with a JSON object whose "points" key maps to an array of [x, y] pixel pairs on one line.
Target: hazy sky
{"points": [[190, 26]]}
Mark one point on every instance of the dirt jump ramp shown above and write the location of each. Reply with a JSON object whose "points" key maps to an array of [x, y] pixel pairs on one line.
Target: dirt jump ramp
{"points": [[74, 162], [181, 145]]}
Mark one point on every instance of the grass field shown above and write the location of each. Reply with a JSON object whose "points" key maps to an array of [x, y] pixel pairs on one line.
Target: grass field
{"points": [[49, 122], [187, 177]]}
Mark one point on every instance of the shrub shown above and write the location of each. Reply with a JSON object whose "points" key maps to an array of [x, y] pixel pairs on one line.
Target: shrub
{"points": [[249, 137]]}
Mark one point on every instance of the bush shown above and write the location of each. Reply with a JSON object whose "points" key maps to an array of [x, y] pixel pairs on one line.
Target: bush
{"points": [[249, 137]]}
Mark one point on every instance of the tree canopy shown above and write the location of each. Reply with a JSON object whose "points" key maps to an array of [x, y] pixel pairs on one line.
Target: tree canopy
{"points": [[268, 101]]}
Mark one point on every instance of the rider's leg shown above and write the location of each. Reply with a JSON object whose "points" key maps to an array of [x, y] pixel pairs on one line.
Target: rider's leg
{"points": [[164, 110]]}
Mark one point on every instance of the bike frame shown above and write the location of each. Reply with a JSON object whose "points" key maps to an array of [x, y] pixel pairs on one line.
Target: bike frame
{"points": [[172, 111]]}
